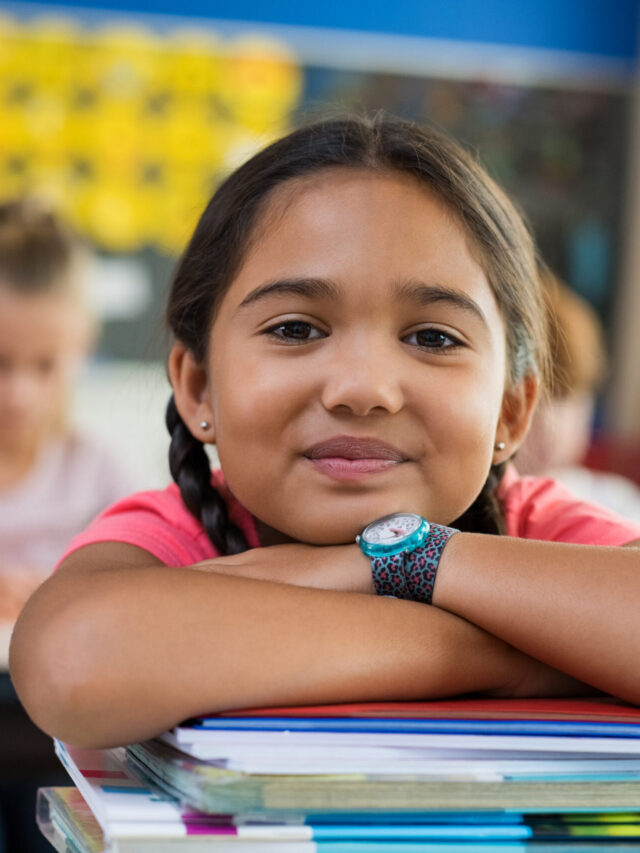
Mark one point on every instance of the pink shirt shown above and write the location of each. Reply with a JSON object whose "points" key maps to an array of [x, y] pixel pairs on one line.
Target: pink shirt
{"points": [[535, 508]]}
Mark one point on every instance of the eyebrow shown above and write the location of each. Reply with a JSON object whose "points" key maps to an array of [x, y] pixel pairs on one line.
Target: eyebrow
{"points": [[429, 294], [312, 288], [413, 291]]}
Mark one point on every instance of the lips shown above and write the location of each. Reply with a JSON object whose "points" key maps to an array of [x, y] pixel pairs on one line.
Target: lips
{"points": [[350, 447], [348, 458]]}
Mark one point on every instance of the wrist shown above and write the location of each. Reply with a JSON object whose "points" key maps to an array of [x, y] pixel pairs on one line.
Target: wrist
{"points": [[457, 574], [405, 552], [449, 560], [345, 568]]}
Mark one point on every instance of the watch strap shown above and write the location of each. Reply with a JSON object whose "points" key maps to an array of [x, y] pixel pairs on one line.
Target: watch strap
{"points": [[388, 576], [412, 575]]}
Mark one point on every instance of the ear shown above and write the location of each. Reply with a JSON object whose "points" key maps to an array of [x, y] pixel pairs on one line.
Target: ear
{"points": [[518, 406], [191, 392]]}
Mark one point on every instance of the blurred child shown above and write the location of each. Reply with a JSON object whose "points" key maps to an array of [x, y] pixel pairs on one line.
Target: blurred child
{"points": [[52, 479], [560, 433]]}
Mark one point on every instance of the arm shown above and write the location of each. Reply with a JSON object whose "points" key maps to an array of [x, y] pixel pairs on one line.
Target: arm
{"points": [[573, 607], [116, 647]]}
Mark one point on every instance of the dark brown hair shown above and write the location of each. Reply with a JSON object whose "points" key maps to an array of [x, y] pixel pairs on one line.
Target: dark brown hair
{"points": [[498, 237]]}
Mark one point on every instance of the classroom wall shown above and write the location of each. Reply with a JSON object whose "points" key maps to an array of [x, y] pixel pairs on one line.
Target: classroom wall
{"points": [[598, 27]]}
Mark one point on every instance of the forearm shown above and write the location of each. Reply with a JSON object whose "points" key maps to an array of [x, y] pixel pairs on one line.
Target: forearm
{"points": [[101, 658], [573, 607], [346, 568]]}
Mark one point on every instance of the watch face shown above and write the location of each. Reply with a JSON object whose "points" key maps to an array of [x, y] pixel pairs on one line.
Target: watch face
{"points": [[393, 528]]}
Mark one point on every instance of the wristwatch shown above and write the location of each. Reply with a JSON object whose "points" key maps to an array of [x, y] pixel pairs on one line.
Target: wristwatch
{"points": [[393, 534], [405, 551]]}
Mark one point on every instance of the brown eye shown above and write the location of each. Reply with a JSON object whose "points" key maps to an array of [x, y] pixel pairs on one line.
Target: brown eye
{"points": [[432, 339], [295, 330]]}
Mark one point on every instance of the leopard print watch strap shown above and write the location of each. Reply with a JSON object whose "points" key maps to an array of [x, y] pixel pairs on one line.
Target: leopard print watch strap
{"points": [[412, 575]]}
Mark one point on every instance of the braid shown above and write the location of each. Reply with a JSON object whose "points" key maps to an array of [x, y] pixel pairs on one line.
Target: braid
{"points": [[485, 515], [189, 465]]}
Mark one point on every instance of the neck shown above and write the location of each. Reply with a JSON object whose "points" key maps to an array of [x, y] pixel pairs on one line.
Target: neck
{"points": [[270, 536]]}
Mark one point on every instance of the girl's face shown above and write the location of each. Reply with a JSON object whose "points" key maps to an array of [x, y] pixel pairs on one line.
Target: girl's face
{"points": [[42, 337], [357, 364]]}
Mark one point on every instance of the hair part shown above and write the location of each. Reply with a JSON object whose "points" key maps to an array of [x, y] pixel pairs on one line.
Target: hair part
{"points": [[499, 239]]}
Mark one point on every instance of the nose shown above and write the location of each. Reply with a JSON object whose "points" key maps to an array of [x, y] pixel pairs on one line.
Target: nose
{"points": [[364, 377]]}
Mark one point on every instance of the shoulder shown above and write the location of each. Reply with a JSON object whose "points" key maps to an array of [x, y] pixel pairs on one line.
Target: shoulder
{"points": [[543, 508], [159, 522]]}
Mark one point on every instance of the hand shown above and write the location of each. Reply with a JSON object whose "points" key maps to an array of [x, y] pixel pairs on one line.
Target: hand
{"points": [[339, 567]]}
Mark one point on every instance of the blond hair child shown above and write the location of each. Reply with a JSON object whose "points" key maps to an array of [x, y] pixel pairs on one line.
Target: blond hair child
{"points": [[53, 479]]}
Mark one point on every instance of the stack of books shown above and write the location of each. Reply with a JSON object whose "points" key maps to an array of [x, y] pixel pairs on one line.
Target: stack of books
{"points": [[445, 776]]}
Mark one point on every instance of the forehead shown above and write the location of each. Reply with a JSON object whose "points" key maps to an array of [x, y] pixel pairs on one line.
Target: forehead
{"points": [[348, 224]]}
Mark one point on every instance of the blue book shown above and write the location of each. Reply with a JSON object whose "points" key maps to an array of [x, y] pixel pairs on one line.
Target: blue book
{"points": [[543, 717]]}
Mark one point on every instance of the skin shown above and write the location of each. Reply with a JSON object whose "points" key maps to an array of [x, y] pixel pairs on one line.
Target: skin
{"points": [[360, 370], [295, 623], [43, 338]]}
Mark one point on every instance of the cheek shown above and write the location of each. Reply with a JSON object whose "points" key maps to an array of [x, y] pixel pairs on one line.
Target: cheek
{"points": [[254, 400], [471, 408], [57, 382], [469, 413], [252, 407]]}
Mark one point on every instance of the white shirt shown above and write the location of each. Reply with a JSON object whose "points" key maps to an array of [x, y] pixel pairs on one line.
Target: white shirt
{"points": [[72, 480]]}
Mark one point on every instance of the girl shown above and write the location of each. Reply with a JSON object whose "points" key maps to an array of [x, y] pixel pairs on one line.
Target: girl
{"points": [[359, 331], [53, 479]]}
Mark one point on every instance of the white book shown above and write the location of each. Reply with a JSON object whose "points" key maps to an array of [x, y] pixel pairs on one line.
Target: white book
{"points": [[68, 824], [125, 806], [312, 759], [185, 738]]}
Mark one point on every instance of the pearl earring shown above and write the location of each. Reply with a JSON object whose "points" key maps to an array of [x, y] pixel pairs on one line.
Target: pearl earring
{"points": [[499, 445], [204, 425]]}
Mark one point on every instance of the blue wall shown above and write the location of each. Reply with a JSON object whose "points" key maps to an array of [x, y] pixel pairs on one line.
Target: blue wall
{"points": [[605, 27]]}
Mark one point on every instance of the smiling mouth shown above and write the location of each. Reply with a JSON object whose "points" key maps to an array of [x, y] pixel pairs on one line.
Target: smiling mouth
{"points": [[347, 457]]}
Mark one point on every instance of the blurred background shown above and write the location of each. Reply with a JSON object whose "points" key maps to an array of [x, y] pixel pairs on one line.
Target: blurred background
{"points": [[125, 121], [123, 116]]}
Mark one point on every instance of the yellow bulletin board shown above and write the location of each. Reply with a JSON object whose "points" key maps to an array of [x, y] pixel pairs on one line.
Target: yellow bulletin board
{"points": [[126, 130]]}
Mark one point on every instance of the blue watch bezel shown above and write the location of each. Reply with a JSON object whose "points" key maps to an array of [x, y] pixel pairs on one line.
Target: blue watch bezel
{"points": [[412, 541]]}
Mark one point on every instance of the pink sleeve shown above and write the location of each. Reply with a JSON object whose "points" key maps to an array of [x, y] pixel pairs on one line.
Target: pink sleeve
{"points": [[146, 531], [156, 521], [542, 508]]}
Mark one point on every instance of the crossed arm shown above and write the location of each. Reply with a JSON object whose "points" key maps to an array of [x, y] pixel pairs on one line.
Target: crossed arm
{"points": [[117, 647]]}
